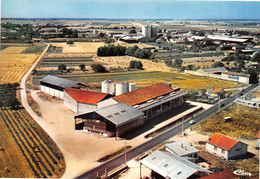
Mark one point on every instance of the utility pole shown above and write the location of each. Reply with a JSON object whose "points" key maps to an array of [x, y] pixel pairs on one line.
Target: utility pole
{"points": [[218, 102], [140, 170], [125, 152], [182, 125], [236, 90]]}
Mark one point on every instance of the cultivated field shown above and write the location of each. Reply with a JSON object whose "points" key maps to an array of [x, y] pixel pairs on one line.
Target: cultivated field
{"points": [[79, 47], [27, 151], [146, 78], [16, 60]]}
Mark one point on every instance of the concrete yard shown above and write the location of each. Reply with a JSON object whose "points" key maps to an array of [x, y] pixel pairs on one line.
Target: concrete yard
{"points": [[80, 148]]}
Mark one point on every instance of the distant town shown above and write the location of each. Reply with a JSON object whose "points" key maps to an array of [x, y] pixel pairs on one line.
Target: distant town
{"points": [[100, 98]]}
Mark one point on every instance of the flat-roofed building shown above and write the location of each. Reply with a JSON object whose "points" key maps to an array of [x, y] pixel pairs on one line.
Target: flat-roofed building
{"points": [[183, 149], [114, 120]]}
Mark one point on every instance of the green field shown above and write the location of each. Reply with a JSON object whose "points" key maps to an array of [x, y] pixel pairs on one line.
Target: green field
{"points": [[144, 78], [34, 49]]}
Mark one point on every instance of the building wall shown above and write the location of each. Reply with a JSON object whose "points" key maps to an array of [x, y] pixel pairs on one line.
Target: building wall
{"points": [[84, 108], [69, 102], [237, 151], [217, 151], [52, 91], [258, 143], [106, 103], [138, 122]]}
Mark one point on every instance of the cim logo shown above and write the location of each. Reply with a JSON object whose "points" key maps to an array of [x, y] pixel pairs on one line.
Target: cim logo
{"points": [[242, 173]]}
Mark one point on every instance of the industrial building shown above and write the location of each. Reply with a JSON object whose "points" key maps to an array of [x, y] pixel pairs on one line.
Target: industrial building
{"points": [[226, 147], [114, 120], [55, 86], [152, 100], [168, 165], [80, 101], [239, 77], [149, 31]]}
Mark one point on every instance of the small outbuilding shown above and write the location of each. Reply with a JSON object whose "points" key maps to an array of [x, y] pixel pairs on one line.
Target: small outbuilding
{"points": [[82, 101], [183, 149], [258, 140], [114, 120], [226, 147]]}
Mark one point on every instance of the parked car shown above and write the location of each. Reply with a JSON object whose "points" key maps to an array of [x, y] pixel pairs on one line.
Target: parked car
{"points": [[192, 122]]}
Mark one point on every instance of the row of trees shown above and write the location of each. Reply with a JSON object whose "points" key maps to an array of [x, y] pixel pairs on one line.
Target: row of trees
{"points": [[176, 63], [111, 50]]}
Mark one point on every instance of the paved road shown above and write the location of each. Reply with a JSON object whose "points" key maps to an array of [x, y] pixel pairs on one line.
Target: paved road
{"points": [[133, 153]]}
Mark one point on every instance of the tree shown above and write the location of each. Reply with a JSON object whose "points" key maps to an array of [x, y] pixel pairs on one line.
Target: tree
{"points": [[177, 63], [217, 64], [253, 78], [133, 31], [98, 68], [135, 64], [256, 57], [82, 67], [62, 67], [69, 42]]}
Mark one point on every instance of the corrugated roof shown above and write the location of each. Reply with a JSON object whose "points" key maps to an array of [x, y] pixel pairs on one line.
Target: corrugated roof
{"points": [[236, 74], [226, 174], [141, 95], [181, 148], [222, 141], [84, 96], [217, 69], [171, 165], [120, 113], [61, 82]]}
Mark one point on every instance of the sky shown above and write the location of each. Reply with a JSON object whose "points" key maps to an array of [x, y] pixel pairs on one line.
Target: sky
{"points": [[136, 9]]}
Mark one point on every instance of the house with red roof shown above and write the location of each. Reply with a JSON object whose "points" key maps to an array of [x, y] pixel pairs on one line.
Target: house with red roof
{"points": [[82, 101], [226, 147]]}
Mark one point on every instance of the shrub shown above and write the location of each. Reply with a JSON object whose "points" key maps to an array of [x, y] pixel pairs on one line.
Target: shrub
{"points": [[98, 68]]}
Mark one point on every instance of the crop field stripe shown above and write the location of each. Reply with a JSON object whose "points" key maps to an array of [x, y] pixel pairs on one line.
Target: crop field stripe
{"points": [[20, 143], [36, 144], [26, 141], [43, 144]]}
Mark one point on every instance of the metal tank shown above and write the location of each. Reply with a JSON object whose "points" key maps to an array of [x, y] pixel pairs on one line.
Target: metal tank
{"points": [[131, 87], [121, 88], [108, 87]]}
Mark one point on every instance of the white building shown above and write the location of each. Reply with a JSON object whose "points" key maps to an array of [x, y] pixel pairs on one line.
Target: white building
{"points": [[82, 101], [239, 77], [226, 147], [183, 149], [168, 165], [149, 31], [258, 140], [54, 86]]}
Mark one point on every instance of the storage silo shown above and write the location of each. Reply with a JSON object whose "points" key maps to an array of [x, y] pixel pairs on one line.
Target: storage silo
{"points": [[108, 87], [121, 88], [145, 30], [149, 31], [131, 87], [154, 31]]}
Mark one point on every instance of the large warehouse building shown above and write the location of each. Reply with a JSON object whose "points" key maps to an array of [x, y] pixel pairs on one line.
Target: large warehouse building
{"points": [[114, 120], [152, 100], [55, 86], [80, 101]]}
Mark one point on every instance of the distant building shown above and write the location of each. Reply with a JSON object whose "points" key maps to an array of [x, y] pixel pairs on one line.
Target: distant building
{"points": [[170, 166], [258, 140], [114, 120], [226, 147], [55, 86], [183, 149], [239, 77], [217, 70], [82, 101], [149, 31]]}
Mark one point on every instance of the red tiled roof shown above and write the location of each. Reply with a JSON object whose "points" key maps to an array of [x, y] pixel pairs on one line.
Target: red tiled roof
{"points": [[141, 95], [222, 141], [221, 175], [258, 135], [83, 96]]}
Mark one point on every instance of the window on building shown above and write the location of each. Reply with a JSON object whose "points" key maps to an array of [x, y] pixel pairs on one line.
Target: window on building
{"points": [[215, 148], [223, 151]]}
